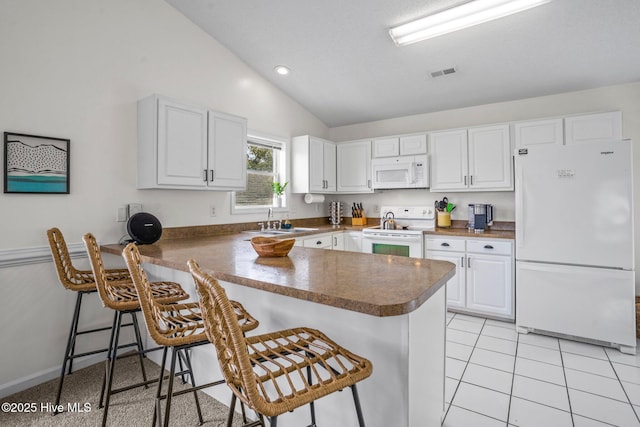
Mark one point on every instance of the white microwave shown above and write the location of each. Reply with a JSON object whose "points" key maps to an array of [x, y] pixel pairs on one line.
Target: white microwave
{"points": [[400, 172]]}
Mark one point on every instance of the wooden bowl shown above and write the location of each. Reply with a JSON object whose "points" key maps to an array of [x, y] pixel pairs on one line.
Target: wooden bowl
{"points": [[270, 247]]}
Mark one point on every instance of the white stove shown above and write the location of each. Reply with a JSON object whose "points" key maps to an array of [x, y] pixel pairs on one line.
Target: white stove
{"points": [[406, 239]]}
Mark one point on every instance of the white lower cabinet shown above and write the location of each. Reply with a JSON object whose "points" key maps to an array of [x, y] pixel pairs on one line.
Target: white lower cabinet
{"points": [[352, 241], [322, 241], [484, 280]]}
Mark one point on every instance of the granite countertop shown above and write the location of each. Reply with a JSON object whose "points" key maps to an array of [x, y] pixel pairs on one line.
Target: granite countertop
{"points": [[379, 285], [500, 230]]}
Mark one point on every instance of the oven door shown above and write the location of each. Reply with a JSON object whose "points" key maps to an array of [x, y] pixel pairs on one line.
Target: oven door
{"points": [[399, 244]]}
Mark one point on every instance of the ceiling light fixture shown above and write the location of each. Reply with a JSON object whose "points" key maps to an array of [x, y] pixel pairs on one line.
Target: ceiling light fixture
{"points": [[457, 18], [282, 70]]}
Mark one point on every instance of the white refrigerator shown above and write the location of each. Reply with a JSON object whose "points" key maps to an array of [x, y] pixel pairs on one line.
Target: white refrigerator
{"points": [[574, 242]]}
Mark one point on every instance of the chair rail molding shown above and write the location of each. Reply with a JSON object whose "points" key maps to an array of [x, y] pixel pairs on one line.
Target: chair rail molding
{"points": [[36, 255]]}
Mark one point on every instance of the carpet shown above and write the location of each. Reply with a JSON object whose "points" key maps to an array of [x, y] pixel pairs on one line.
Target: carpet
{"points": [[134, 407]]}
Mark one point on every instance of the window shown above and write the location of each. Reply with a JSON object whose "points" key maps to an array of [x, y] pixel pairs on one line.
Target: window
{"points": [[265, 165]]}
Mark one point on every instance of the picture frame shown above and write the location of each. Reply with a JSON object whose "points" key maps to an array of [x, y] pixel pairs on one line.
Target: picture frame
{"points": [[36, 164]]}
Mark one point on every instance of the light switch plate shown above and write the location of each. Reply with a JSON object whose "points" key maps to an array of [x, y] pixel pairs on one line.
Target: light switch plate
{"points": [[134, 208], [121, 214]]}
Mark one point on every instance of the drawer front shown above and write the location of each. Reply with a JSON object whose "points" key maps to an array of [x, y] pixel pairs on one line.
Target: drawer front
{"points": [[490, 247], [445, 244], [318, 242]]}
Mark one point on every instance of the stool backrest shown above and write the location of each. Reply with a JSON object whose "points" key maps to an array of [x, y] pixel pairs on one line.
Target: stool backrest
{"points": [[70, 277], [125, 297], [168, 326], [221, 326]]}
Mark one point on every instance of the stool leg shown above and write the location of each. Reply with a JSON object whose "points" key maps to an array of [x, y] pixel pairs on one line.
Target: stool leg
{"points": [[114, 356], [76, 316], [356, 401], [68, 353], [311, 404], [134, 321], [193, 384], [273, 421], [156, 413], [108, 361], [172, 372], [231, 409]]}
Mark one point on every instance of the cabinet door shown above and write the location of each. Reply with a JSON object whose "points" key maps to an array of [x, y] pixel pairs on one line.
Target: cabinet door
{"points": [[538, 132], [593, 127], [182, 144], [490, 164], [354, 167], [490, 284], [316, 165], [456, 295], [448, 160], [353, 241], [386, 147], [413, 144], [330, 159], [337, 243], [227, 151]]}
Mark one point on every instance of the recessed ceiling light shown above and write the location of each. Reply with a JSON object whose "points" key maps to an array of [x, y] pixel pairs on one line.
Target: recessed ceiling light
{"points": [[282, 70], [457, 18]]}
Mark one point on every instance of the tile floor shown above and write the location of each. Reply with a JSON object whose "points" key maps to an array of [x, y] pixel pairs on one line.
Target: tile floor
{"points": [[497, 377]]}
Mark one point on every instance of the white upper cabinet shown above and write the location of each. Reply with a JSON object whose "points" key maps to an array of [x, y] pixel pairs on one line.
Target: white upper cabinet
{"points": [[569, 130], [593, 127], [386, 147], [413, 144], [225, 171], [449, 167], [313, 164], [354, 167], [490, 165], [182, 146], [477, 159], [538, 132], [405, 145]]}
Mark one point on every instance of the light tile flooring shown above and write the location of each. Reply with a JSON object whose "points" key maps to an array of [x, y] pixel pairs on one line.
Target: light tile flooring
{"points": [[497, 377]]}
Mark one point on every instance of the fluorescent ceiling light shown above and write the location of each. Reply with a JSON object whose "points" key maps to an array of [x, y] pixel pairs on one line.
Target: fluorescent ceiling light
{"points": [[282, 70], [463, 16]]}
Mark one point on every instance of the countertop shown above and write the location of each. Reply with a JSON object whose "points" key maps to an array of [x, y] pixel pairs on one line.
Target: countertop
{"points": [[463, 232], [379, 285]]}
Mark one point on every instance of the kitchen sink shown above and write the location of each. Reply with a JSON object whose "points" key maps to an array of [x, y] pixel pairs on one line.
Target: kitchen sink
{"points": [[282, 231]]}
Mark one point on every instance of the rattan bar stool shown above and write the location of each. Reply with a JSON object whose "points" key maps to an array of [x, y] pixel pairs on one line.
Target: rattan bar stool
{"points": [[122, 297], [82, 282], [276, 372], [175, 326]]}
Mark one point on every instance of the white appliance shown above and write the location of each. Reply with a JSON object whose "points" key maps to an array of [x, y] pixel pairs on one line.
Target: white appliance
{"points": [[407, 238], [400, 172], [574, 242]]}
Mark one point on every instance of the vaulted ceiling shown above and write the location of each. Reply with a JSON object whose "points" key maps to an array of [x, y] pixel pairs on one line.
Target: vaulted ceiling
{"points": [[345, 69]]}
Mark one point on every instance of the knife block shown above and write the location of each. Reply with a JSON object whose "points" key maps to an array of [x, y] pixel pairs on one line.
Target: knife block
{"points": [[359, 221]]}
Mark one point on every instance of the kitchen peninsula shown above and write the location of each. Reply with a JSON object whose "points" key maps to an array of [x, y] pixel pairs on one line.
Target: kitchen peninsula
{"points": [[386, 308]]}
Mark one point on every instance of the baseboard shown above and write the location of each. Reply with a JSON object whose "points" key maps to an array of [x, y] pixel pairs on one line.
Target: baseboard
{"points": [[34, 379]]}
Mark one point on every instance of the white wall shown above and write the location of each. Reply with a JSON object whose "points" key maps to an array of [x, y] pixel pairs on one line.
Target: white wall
{"points": [[75, 69]]}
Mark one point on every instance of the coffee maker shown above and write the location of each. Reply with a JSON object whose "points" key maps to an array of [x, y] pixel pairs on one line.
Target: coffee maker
{"points": [[480, 217]]}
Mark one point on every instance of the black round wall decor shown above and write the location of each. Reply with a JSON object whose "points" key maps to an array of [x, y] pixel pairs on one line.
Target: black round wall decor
{"points": [[144, 228]]}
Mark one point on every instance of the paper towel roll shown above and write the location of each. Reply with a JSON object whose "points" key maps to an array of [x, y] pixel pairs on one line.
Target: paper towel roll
{"points": [[313, 198]]}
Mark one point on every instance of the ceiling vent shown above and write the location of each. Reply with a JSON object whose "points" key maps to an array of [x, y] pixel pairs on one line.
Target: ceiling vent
{"points": [[443, 72]]}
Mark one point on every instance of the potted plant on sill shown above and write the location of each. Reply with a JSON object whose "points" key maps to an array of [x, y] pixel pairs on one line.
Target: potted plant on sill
{"points": [[278, 191]]}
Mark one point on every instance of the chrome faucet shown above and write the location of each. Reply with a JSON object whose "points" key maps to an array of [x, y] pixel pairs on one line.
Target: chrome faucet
{"points": [[269, 214]]}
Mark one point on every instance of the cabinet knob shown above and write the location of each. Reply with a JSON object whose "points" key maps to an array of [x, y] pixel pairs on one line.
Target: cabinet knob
{"points": [[488, 247], [319, 242], [444, 244]]}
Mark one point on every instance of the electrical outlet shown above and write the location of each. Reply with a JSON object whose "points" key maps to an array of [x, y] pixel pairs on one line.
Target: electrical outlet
{"points": [[212, 210], [134, 208], [121, 214]]}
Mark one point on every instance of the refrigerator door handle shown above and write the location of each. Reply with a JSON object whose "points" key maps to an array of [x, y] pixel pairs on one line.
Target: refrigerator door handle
{"points": [[519, 208]]}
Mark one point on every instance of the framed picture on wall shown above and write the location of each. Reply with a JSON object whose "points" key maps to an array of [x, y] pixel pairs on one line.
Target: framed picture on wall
{"points": [[35, 164]]}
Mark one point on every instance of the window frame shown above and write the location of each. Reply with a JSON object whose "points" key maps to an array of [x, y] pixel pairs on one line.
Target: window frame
{"points": [[259, 138]]}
